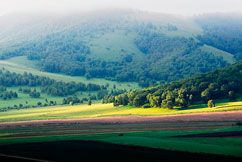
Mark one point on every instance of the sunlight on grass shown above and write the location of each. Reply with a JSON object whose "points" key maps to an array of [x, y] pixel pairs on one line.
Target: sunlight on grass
{"points": [[105, 110]]}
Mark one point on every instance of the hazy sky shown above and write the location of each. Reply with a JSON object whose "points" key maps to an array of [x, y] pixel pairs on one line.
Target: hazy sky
{"points": [[184, 7]]}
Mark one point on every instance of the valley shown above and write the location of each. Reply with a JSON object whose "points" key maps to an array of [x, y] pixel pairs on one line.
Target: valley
{"points": [[120, 83]]}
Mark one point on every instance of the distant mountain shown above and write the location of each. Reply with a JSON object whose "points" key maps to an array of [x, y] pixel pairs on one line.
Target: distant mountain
{"points": [[122, 45]]}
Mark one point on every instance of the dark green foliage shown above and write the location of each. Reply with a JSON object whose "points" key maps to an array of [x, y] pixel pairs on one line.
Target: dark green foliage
{"points": [[26, 90], [89, 102], [146, 106], [93, 97], [7, 95], [217, 84], [223, 32], [52, 103], [72, 100], [239, 123], [170, 59], [101, 93], [231, 95], [34, 94], [49, 86], [39, 103]]}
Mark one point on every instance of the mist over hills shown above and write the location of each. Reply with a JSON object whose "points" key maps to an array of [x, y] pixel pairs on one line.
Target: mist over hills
{"points": [[123, 45]]}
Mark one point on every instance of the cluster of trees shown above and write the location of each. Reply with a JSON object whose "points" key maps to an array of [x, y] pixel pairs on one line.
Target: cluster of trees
{"points": [[27, 90], [223, 83], [6, 95], [71, 100], [75, 100], [222, 32], [49, 86], [26, 105], [34, 94], [64, 89]]}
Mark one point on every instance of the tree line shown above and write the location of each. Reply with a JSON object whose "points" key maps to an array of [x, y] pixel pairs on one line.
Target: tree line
{"points": [[49, 86], [218, 84]]}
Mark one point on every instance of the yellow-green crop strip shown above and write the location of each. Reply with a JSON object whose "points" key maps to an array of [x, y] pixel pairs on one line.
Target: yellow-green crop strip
{"points": [[105, 110]]}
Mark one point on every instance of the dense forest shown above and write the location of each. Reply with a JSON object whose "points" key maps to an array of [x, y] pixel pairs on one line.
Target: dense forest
{"points": [[218, 84], [174, 58]]}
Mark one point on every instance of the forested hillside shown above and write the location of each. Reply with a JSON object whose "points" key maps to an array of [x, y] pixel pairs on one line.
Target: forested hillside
{"points": [[222, 31], [218, 84], [125, 45]]}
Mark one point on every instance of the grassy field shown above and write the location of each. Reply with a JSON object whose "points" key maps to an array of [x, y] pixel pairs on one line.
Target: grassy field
{"points": [[168, 140], [113, 46], [164, 135], [225, 55], [21, 64], [26, 100], [106, 110]]}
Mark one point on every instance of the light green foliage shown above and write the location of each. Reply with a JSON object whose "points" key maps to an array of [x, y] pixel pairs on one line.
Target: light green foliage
{"points": [[211, 104]]}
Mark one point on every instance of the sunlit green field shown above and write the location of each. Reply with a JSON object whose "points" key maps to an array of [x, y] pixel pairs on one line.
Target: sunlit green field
{"points": [[154, 135], [106, 110], [26, 100]]}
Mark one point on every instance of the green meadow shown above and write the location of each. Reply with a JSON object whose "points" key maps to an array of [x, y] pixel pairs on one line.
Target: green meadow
{"points": [[107, 110], [21, 64], [168, 140]]}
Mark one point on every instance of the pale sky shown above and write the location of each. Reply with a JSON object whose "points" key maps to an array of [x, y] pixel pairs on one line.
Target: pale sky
{"points": [[181, 7]]}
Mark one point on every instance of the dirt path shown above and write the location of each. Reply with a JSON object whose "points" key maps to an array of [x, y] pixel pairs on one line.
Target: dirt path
{"points": [[196, 117]]}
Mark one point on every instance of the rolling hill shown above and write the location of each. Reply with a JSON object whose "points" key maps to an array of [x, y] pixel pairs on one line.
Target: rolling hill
{"points": [[121, 45]]}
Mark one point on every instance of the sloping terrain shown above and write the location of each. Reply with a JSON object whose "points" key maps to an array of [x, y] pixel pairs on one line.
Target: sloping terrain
{"points": [[124, 45]]}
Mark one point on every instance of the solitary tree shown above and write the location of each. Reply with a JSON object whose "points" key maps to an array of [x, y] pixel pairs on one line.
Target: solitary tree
{"points": [[102, 101], [89, 102], [71, 103], [39, 103], [211, 103]]}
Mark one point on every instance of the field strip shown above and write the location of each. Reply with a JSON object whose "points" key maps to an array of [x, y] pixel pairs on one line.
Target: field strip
{"points": [[211, 116]]}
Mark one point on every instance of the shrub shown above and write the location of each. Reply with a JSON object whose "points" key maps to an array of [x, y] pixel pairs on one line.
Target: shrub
{"points": [[211, 103], [146, 106]]}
